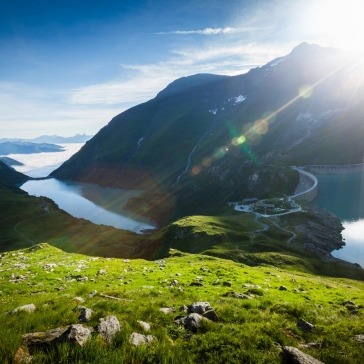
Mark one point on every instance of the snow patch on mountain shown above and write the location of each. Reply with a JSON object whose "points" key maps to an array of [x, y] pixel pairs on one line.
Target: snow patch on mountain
{"points": [[213, 111]]}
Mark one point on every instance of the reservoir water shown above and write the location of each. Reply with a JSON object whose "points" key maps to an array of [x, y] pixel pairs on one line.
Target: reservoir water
{"points": [[343, 194], [100, 205]]}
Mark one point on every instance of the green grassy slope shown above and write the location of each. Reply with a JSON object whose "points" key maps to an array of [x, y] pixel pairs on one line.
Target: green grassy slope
{"points": [[248, 331]]}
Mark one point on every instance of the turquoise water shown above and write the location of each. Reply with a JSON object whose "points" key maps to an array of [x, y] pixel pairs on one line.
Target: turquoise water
{"points": [[343, 194]]}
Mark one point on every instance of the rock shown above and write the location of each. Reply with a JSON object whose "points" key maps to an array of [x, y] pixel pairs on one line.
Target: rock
{"points": [[174, 282], [36, 341], [359, 338], [305, 325], [204, 269], [211, 315], [199, 307], [227, 284], [77, 333], [108, 327], [140, 339], [144, 325], [167, 310], [85, 314], [79, 299], [26, 308], [193, 322], [196, 284], [282, 288], [296, 356], [101, 272], [183, 308], [92, 294]]}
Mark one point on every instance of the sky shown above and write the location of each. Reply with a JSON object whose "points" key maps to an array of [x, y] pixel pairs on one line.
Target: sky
{"points": [[68, 67]]}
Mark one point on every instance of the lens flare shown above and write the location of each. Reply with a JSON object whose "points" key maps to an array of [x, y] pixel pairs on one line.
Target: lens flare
{"points": [[260, 126], [305, 91]]}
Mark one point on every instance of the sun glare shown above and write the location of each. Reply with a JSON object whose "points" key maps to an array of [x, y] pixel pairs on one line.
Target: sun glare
{"points": [[337, 23]]}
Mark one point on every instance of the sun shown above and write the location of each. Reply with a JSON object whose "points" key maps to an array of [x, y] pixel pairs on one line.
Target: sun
{"points": [[336, 23]]}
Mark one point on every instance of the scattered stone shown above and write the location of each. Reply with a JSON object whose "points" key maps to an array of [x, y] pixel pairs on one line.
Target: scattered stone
{"points": [[33, 342], [183, 308], [26, 308], [211, 315], [178, 274], [204, 269], [167, 310], [92, 294], [199, 307], [144, 325], [227, 284], [108, 327], [359, 338], [196, 284], [126, 260], [50, 266], [17, 278], [305, 325], [174, 283], [282, 288], [310, 345], [193, 322], [101, 272], [140, 339], [77, 333], [296, 356], [79, 299], [85, 314]]}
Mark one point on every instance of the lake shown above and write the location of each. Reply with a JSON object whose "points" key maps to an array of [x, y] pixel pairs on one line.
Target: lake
{"points": [[100, 205], [343, 194], [104, 206]]}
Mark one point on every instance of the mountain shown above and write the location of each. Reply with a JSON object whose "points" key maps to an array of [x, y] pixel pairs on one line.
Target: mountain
{"points": [[207, 139], [56, 139], [20, 147], [9, 178], [10, 161]]}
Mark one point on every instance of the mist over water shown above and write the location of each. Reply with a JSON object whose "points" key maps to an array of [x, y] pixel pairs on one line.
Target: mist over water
{"points": [[42, 164]]}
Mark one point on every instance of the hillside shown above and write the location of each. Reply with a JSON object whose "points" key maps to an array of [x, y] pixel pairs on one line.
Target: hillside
{"points": [[9, 177], [257, 311], [22, 147], [208, 135]]}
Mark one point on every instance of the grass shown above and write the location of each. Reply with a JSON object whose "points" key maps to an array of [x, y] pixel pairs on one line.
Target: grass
{"points": [[248, 331]]}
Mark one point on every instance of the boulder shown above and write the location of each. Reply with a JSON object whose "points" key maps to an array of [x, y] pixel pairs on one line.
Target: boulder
{"points": [[167, 310], [137, 339], [282, 288], [85, 314], [26, 308], [36, 341], [305, 325], [193, 322], [296, 356], [211, 315], [108, 327], [199, 307], [144, 325], [359, 338]]}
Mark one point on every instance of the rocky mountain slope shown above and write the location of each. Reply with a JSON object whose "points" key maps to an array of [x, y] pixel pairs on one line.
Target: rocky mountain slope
{"points": [[213, 133]]}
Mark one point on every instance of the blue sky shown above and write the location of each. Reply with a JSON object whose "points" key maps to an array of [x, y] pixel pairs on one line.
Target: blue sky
{"points": [[68, 67]]}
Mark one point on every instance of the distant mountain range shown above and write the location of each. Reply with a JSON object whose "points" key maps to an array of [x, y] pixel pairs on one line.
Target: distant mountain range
{"points": [[208, 139], [20, 147], [53, 139]]}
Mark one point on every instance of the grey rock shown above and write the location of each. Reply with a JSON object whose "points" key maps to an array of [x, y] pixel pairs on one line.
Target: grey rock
{"points": [[305, 325], [193, 322], [77, 333], [85, 314], [174, 282], [183, 308], [199, 307], [196, 284], [167, 310], [296, 356], [26, 308], [137, 339], [211, 315], [359, 338], [108, 327], [79, 299], [144, 325], [101, 272], [242, 296]]}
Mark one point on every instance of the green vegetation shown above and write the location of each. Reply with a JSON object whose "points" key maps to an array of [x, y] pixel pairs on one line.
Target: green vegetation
{"points": [[248, 331]]}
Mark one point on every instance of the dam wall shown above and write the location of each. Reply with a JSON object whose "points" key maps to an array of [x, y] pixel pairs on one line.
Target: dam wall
{"points": [[339, 169], [307, 187]]}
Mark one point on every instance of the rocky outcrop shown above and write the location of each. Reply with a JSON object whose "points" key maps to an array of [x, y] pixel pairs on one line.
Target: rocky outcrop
{"points": [[295, 356]]}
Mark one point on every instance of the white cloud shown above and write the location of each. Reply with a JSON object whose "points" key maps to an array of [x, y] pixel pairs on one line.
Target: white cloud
{"points": [[210, 31]]}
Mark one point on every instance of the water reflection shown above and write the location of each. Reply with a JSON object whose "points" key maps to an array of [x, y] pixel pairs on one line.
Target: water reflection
{"points": [[98, 208]]}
